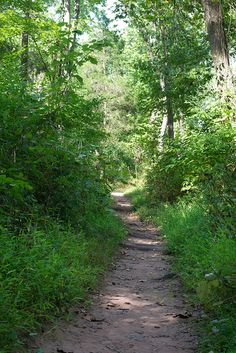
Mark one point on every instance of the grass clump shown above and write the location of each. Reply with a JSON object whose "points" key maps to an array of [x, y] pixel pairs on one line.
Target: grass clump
{"points": [[205, 258], [45, 271]]}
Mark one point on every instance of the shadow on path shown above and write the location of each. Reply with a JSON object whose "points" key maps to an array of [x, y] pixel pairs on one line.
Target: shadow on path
{"points": [[140, 308]]}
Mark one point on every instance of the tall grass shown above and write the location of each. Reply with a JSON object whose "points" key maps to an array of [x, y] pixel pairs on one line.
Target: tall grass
{"points": [[45, 271], [205, 258]]}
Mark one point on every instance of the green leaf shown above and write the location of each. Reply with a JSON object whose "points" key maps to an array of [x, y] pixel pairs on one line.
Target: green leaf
{"points": [[77, 31], [79, 78], [93, 60]]}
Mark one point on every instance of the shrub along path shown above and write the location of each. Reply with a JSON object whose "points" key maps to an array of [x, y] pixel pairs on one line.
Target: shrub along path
{"points": [[140, 308]]}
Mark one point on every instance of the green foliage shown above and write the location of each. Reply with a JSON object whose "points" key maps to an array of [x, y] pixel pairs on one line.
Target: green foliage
{"points": [[201, 162], [45, 271], [166, 176], [57, 235], [190, 180], [195, 174], [204, 258], [108, 80], [206, 262], [52, 155]]}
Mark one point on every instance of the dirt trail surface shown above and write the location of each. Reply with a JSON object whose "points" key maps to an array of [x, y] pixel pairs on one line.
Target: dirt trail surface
{"points": [[140, 308]]}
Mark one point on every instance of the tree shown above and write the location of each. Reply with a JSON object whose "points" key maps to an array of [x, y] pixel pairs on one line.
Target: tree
{"points": [[175, 60], [218, 44], [25, 50]]}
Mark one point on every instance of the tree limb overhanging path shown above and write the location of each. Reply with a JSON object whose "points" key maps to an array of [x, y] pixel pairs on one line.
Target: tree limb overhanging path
{"points": [[140, 308]]}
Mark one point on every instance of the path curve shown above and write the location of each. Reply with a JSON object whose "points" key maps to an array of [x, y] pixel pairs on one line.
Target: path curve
{"points": [[140, 308]]}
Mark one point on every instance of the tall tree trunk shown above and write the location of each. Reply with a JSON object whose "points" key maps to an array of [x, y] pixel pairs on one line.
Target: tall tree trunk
{"points": [[166, 88], [165, 85], [170, 117], [76, 18], [162, 132], [25, 53], [70, 13], [66, 11], [218, 43]]}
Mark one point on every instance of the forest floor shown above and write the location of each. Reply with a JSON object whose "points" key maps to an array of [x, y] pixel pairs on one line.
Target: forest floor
{"points": [[140, 307]]}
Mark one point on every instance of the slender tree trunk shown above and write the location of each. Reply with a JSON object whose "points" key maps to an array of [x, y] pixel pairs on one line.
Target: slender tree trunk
{"points": [[165, 85], [71, 16], [181, 125], [167, 91], [162, 132], [77, 10], [218, 43], [170, 117], [25, 53], [66, 11], [77, 15]]}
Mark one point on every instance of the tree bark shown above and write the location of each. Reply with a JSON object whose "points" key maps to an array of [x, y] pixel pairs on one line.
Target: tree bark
{"points": [[66, 11], [25, 53], [167, 91], [70, 16], [170, 117], [77, 14], [218, 44], [162, 132]]}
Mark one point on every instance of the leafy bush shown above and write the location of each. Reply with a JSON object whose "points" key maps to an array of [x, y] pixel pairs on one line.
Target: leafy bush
{"points": [[56, 233], [202, 162], [165, 178]]}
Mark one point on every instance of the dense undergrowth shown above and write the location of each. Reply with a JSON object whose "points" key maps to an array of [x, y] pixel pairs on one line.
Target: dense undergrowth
{"points": [[185, 126], [204, 258], [190, 193], [46, 271], [57, 234]]}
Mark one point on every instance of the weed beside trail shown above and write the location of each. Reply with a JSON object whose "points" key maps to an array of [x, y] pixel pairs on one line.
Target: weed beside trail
{"points": [[205, 259], [45, 271]]}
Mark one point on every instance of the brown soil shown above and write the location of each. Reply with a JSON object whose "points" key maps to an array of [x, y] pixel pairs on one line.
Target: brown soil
{"points": [[140, 308]]}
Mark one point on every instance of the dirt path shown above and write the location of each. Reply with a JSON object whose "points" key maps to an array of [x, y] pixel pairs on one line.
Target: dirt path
{"points": [[139, 310]]}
